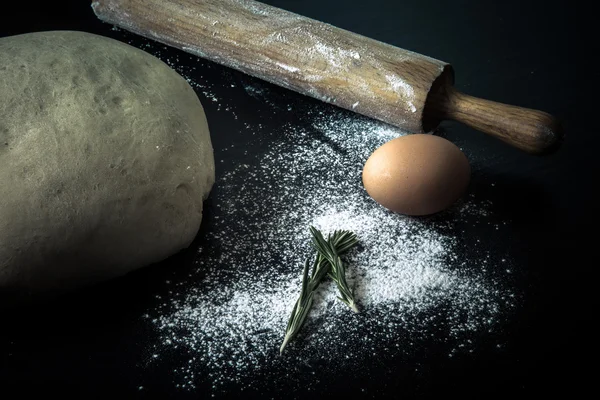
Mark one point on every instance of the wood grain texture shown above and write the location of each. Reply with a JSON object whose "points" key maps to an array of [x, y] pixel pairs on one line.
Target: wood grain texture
{"points": [[397, 86], [308, 56], [530, 130]]}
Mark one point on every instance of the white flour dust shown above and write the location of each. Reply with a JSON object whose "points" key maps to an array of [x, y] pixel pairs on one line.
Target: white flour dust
{"points": [[416, 280], [406, 274]]}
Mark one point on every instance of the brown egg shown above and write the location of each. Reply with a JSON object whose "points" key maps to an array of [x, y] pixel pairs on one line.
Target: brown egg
{"points": [[417, 174]]}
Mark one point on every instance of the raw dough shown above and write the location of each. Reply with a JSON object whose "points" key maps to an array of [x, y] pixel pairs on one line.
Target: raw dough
{"points": [[105, 160]]}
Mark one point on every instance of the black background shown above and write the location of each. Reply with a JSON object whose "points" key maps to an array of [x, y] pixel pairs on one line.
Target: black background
{"points": [[527, 53]]}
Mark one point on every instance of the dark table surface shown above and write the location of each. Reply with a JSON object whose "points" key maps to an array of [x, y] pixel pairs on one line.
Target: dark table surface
{"points": [[525, 53]]}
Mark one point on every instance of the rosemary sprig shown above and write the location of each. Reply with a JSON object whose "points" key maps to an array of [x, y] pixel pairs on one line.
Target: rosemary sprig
{"points": [[339, 243], [330, 250], [301, 308]]}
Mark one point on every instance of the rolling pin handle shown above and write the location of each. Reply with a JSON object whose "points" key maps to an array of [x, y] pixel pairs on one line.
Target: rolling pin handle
{"points": [[532, 131]]}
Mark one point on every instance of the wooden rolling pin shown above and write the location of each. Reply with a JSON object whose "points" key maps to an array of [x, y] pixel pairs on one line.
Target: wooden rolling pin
{"points": [[381, 81]]}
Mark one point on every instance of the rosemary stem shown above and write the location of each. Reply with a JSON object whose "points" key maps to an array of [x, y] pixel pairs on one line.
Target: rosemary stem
{"points": [[326, 263]]}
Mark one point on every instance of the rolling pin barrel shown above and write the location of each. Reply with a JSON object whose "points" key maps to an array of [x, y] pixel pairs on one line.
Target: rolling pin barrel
{"points": [[375, 79]]}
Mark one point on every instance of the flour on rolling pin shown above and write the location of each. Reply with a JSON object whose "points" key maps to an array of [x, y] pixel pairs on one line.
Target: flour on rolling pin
{"points": [[394, 85], [325, 62]]}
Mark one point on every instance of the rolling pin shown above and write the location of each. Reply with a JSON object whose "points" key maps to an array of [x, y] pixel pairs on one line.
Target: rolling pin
{"points": [[381, 81]]}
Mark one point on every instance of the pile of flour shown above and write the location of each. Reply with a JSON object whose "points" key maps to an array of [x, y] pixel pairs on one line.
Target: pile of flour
{"points": [[417, 281]]}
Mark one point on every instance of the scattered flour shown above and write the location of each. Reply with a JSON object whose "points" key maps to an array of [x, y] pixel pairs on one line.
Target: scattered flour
{"points": [[406, 273], [416, 280]]}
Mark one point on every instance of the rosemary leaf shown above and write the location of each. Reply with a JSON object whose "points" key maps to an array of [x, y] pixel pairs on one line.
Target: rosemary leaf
{"points": [[331, 249], [327, 263], [301, 308]]}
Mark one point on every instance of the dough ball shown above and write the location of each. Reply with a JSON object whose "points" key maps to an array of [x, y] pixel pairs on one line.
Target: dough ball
{"points": [[105, 160]]}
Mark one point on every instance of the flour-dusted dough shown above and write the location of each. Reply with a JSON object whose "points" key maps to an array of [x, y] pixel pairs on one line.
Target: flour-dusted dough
{"points": [[105, 160]]}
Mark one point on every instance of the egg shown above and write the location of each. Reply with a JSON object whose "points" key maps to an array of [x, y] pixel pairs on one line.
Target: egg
{"points": [[417, 174]]}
